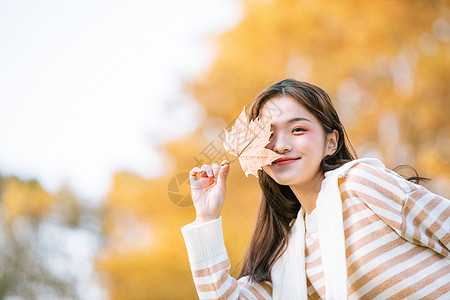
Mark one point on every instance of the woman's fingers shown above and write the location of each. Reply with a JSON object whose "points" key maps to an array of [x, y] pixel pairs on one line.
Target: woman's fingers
{"points": [[215, 168], [215, 171], [223, 173], [193, 174], [208, 170], [195, 171]]}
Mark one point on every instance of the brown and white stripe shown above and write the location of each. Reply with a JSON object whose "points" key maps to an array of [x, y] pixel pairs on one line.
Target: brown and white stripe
{"points": [[313, 264], [215, 283], [397, 237], [387, 220]]}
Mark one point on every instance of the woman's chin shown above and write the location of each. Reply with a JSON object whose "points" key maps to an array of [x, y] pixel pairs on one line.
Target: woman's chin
{"points": [[284, 180]]}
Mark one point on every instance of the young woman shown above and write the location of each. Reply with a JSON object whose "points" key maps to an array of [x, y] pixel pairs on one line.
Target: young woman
{"points": [[329, 225]]}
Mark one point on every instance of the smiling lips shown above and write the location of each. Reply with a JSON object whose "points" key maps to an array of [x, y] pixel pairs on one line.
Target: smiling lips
{"points": [[285, 160]]}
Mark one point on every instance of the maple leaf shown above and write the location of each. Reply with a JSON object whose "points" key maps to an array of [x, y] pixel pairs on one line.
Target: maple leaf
{"points": [[246, 140]]}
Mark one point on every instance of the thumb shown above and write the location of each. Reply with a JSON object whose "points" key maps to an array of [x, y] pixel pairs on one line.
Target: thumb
{"points": [[223, 174]]}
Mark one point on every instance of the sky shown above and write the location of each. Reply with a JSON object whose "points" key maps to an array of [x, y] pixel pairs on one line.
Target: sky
{"points": [[90, 88]]}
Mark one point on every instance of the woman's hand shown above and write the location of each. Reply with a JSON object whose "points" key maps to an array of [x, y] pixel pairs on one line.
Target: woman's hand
{"points": [[208, 190]]}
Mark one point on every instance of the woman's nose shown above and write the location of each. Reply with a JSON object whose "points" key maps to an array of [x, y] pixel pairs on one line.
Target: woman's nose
{"points": [[279, 144]]}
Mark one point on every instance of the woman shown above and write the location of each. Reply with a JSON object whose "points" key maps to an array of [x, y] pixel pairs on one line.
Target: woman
{"points": [[329, 225]]}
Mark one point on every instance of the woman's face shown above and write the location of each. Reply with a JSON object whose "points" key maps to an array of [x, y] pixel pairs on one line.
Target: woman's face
{"points": [[300, 138]]}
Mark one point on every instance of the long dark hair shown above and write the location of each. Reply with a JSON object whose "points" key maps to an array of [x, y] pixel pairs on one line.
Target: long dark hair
{"points": [[278, 204]]}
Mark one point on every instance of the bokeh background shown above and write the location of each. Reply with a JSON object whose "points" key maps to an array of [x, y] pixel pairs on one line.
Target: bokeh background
{"points": [[106, 105]]}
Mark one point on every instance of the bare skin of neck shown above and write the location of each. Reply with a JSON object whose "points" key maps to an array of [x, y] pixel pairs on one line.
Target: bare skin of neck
{"points": [[307, 195]]}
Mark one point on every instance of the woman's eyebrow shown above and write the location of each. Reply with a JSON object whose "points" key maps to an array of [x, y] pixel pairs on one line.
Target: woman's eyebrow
{"points": [[292, 121], [297, 119]]}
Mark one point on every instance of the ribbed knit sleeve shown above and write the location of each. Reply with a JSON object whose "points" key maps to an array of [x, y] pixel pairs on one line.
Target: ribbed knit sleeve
{"points": [[426, 220], [204, 241], [211, 267], [418, 215], [397, 236]]}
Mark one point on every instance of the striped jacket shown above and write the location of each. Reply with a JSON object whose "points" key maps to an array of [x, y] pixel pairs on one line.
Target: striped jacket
{"points": [[397, 239]]}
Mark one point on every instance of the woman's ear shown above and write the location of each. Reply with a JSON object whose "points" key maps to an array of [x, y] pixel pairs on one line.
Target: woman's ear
{"points": [[332, 141]]}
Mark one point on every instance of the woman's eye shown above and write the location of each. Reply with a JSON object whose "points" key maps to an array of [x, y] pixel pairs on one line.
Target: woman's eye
{"points": [[298, 129]]}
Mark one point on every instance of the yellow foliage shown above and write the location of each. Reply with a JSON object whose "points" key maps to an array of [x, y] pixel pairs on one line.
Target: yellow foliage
{"points": [[385, 66], [24, 199]]}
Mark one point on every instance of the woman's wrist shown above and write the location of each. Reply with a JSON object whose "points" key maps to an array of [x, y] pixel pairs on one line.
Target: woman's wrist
{"points": [[204, 219]]}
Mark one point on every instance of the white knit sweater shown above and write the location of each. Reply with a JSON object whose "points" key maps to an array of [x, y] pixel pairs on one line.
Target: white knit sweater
{"points": [[368, 218]]}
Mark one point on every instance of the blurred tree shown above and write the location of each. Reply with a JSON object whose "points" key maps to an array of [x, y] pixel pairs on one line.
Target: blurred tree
{"points": [[386, 67], [35, 256], [382, 63]]}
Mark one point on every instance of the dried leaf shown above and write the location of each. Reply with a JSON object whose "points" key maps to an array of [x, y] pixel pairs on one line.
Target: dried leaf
{"points": [[246, 140]]}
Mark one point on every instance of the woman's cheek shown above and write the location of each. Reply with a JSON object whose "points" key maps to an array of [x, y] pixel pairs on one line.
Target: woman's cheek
{"points": [[310, 142], [304, 142]]}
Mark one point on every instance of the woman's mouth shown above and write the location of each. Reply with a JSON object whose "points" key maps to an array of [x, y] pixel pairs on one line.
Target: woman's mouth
{"points": [[285, 161]]}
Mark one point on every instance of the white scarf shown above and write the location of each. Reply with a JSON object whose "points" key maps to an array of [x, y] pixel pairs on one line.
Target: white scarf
{"points": [[288, 273]]}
